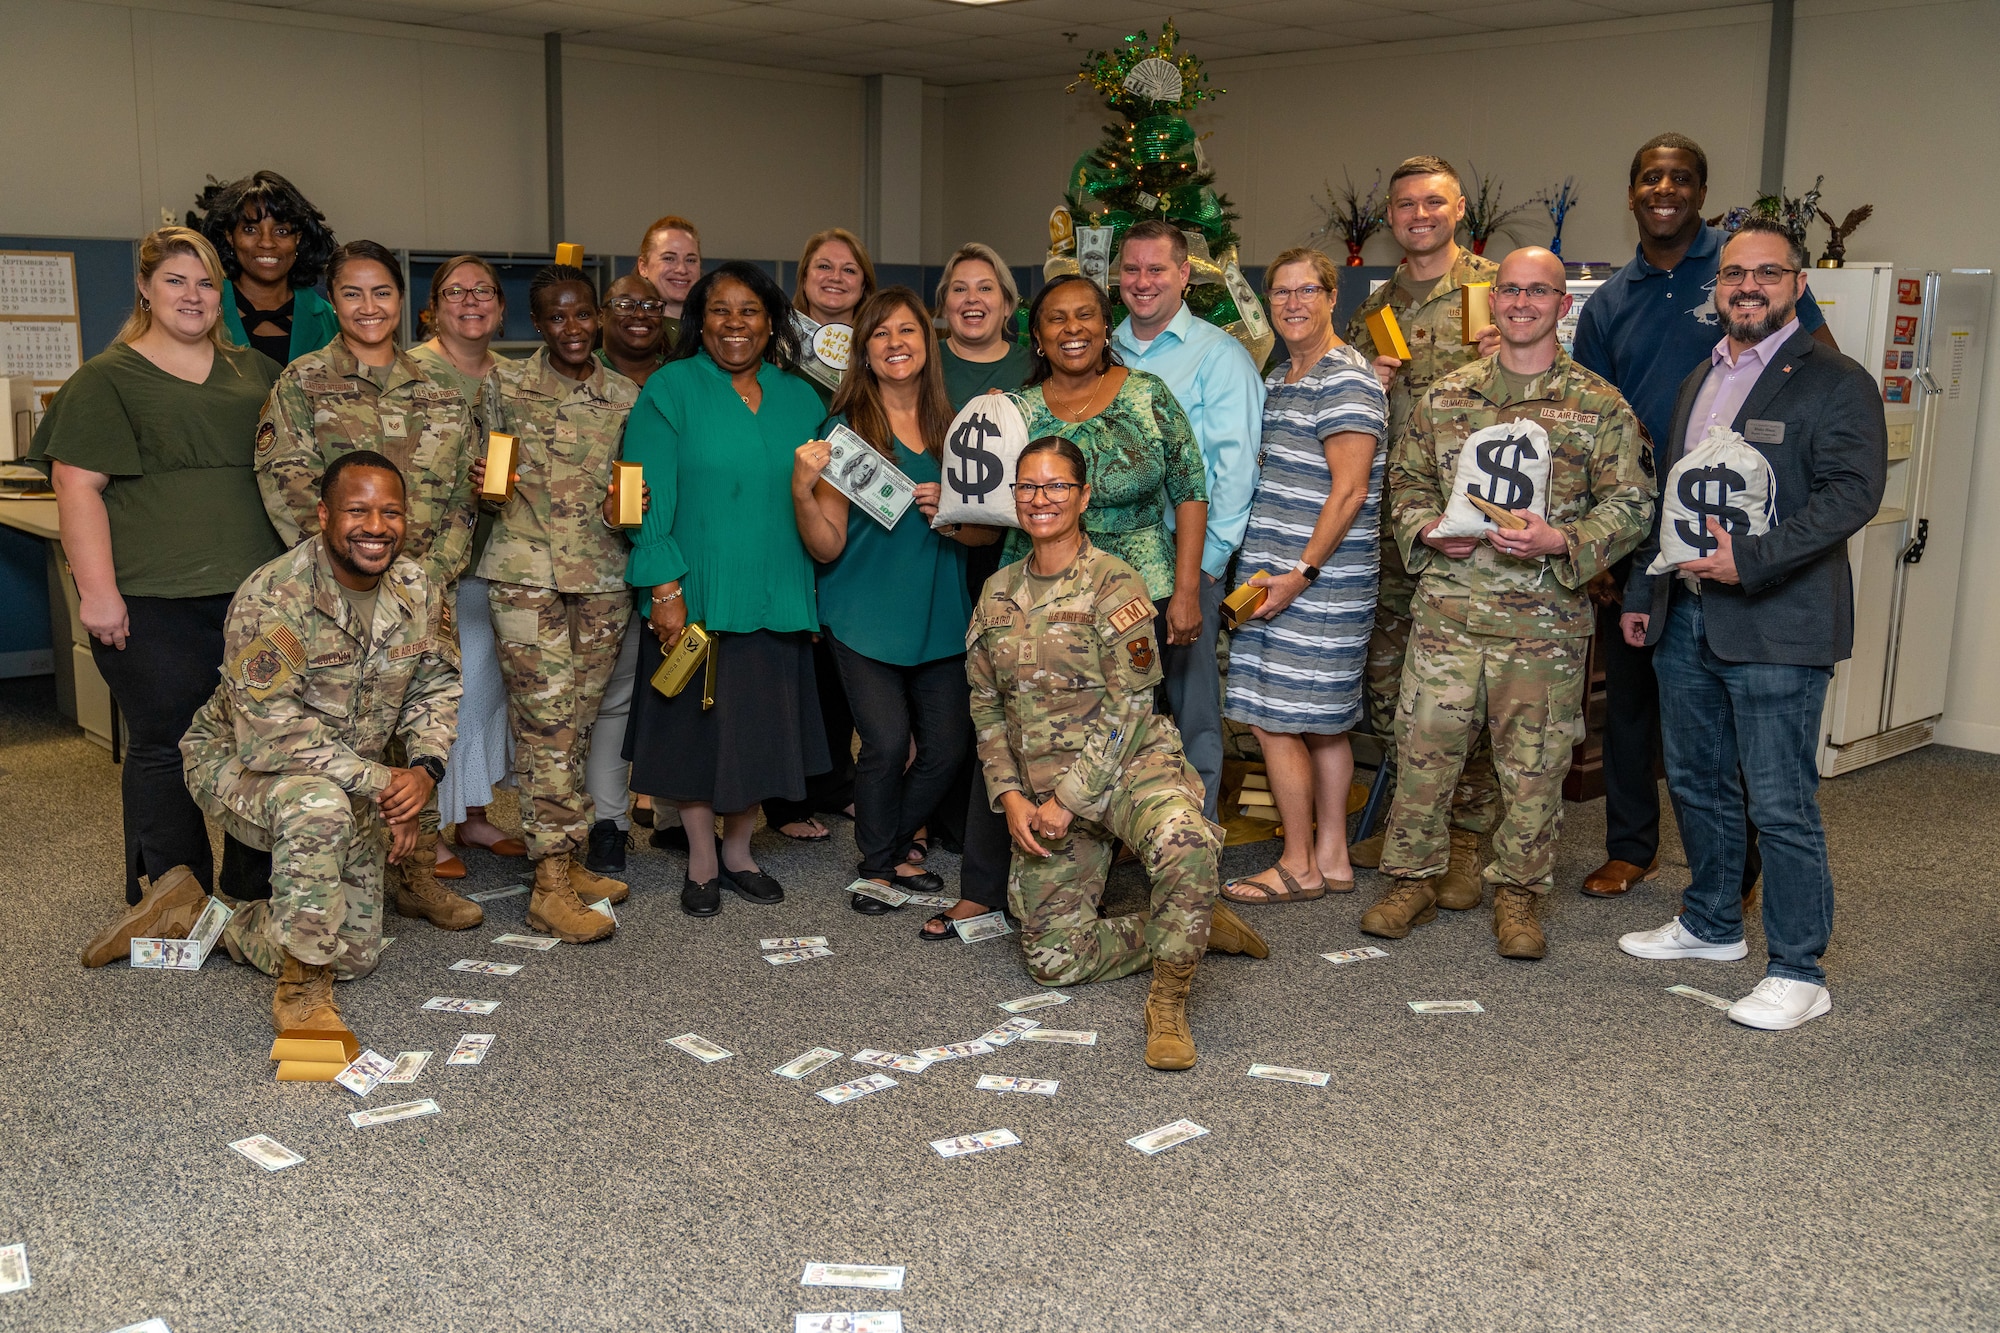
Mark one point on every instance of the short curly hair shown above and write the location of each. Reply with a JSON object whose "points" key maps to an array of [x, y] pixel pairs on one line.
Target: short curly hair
{"points": [[263, 194]]}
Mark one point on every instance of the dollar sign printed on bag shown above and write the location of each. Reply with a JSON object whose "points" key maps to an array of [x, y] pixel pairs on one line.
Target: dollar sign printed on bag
{"points": [[968, 443], [1695, 492], [1500, 460]]}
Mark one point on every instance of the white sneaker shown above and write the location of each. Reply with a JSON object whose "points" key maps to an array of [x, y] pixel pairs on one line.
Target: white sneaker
{"points": [[1781, 1003], [1671, 941]]}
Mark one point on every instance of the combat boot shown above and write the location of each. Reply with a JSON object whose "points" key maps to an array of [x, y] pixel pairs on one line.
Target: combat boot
{"points": [[1514, 924], [1408, 903], [304, 1000], [1169, 1044], [1230, 933], [167, 910], [1368, 852], [554, 909], [418, 892], [1459, 888], [592, 887]]}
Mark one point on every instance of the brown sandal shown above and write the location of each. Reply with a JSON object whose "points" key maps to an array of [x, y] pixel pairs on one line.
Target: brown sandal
{"points": [[1293, 892]]}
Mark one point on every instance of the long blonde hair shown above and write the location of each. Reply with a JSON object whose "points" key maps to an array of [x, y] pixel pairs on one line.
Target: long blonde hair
{"points": [[154, 251]]}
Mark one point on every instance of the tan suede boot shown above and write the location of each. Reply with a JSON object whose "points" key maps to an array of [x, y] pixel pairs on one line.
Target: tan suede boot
{"points": [[1514, 924], [304, 1000], [418, 892], [1230, 933], [1368, 852], [1459, 888], [167, 910], [592, 887], [554, 909], [1408, 903], [1169, 1044]]}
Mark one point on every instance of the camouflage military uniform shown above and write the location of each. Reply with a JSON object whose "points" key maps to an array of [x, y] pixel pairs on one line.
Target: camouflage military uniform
{"points": [[558, 592], [1435, 330], [1500, 643], [1062, 697], [287, 754]]}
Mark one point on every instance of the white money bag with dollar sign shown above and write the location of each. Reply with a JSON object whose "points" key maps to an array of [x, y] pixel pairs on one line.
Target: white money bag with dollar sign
{"points": [[1505, 465], [980, 449], [1723, 478]]}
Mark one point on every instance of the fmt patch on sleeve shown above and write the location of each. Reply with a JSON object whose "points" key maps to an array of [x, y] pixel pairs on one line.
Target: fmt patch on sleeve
{"points": [[1130, 614]]}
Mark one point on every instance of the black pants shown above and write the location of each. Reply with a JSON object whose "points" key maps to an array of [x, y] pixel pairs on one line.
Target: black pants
{"points": [[833, 790], [1632, 748], [160, 679], [891, 704]]}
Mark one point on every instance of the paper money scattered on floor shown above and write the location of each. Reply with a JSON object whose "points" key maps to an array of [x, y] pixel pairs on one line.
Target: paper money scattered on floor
{"points": [[1355, 955], [991, 926], [868, 888], [967, 1144], [409, 1064], [1027, 1004], [1712, 1001], [208, 926], [843, 1321], [1061, 1037], [936, 900], [793, 942], [1155, 1141], [1286, 1074], [799, 1066], [171, 955], [701, 1048], [1447, 1007], [906, 1064], [385, 1115], [841, 1093], [492, 895], [958, 1050], [1040, 1087], [471, 1049], [363, 1072], [267, 1152], [539, 943], [14, 1268], [484, 968], [875, 1277], [153, 1325], [797, 955], [1009, 1032], [451, 1004], [603, 908]]}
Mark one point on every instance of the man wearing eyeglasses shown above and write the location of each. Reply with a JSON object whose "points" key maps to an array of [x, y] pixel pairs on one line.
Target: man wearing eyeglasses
{"points": [[1649, 325], [1426, 206], [1746, 637], [1501, 624]]}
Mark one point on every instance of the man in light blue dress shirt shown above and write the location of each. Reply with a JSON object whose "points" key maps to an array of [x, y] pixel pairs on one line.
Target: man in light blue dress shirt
{"points": [[1221, 391]]}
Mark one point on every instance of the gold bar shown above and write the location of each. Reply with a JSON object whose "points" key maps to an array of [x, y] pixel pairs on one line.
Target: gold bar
{"points": [[308, 1048], [628, 483], [570, 253], [308, 1071], [1478, 309], [677, 668], [1247, 600], [1505, 518], [1388, 334], [500, 459]]}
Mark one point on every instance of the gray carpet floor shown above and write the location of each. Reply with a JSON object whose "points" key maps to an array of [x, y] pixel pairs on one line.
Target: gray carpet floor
{"points": [[1591, 1152]]}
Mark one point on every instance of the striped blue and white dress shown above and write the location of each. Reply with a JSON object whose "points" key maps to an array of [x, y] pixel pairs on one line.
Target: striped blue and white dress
{"points": [[1302, 670]]}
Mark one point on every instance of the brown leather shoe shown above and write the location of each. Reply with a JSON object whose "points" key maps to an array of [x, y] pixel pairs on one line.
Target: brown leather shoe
{"points": [[554, 909], [1169, 1044], [1514, 924], [1368, 852], [1408, 903], [596, 888], [1230, 933], [1459, 888], [167, 910], [1615, 878], [418, 893]]}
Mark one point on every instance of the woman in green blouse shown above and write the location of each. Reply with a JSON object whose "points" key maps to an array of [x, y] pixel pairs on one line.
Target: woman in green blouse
{"points": [[149, 448], [274, 247], [716, 431]]}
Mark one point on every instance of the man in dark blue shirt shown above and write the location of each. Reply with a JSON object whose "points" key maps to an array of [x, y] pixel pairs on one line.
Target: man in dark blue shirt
{"points": [[1645, 329]]}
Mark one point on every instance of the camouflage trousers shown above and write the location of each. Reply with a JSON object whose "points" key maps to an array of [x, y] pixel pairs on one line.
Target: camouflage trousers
{"points": [[1475, 805], [557, 653], [327, 853], [1156, 811], [1526, 695]]}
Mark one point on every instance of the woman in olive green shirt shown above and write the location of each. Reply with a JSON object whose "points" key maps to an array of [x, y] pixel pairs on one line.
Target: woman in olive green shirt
{"points": [[716, 430], [149, 448]]}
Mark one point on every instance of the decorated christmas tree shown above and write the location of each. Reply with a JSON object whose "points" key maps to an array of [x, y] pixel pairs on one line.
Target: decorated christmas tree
{"points": [[1150, 164]]}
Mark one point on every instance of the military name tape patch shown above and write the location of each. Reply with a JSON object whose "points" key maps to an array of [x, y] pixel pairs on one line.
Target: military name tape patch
{"points": [[1130, 614], [403, 650], [1453, 402], [1566, 414], [1071, 617]]}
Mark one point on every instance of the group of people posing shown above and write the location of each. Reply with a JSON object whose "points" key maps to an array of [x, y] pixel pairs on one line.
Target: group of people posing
{"points": [[259, 486]]}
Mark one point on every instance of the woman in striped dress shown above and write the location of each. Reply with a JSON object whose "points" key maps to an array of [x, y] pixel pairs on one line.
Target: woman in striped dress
{"points": [[1295, 671]]}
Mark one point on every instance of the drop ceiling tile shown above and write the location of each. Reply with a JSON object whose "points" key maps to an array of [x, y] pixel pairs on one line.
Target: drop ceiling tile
{"points": [[1408, 27], [893, 36], [686, 34], [776, 19], [1534, 14], [563, 16], [1126, 15], [875, 11], [1313, 13], [969, 21]]}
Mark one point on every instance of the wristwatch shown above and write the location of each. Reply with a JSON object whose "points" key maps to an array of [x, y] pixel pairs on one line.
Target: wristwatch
{"points": [[432, 765], [1309, 573]]}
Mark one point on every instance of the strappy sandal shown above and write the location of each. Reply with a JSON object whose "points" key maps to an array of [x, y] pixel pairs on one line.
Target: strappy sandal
{"points": [[1293, 892], [950, 932]]}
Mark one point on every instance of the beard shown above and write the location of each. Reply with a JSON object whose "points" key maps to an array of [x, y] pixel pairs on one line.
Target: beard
{"points": [[1753, 324]]}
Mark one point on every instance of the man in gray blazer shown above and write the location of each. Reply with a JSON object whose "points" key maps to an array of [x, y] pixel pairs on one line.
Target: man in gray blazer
{"points": [[1747, 636]]}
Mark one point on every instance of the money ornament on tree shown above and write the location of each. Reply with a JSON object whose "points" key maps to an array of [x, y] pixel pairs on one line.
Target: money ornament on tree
{"points": [[1150, 164]]}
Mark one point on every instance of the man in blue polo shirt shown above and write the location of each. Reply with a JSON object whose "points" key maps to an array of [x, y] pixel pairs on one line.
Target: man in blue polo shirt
{"points": [[1645, 329], [1218, 386]]}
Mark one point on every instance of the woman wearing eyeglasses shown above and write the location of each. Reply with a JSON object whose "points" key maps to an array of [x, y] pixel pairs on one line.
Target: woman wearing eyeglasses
{"points": [[1063, 661]]}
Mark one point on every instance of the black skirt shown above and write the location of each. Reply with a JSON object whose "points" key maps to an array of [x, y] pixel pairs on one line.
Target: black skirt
{"points": [[761, 740]]}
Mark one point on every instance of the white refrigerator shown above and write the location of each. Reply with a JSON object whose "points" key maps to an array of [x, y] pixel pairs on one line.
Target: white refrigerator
{"points": [[1922, 335]]}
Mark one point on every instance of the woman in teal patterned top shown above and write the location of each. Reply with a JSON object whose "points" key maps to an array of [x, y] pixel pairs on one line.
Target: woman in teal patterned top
{"points": [[1141, 450]]}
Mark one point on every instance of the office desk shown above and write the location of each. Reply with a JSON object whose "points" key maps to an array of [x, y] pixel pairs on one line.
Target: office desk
{"points": [[81, 693]]}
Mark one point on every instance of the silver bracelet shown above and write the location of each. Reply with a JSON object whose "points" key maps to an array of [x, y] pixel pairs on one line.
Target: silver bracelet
{"points": [[671, 595]]}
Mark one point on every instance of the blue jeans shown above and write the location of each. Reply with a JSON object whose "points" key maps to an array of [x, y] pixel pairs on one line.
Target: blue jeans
{"points": [[1193, 689], [1737, 729]]}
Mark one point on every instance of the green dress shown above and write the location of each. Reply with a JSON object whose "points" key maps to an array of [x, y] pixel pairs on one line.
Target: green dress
{"points": [[1143, 460], [966, 380]]}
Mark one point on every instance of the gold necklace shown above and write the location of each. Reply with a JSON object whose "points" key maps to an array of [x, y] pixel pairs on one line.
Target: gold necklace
{"points": [[1075, 413]]}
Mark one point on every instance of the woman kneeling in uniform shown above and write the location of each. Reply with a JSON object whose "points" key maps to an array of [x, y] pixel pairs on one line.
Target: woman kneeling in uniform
{"points": [[1063, 658]]}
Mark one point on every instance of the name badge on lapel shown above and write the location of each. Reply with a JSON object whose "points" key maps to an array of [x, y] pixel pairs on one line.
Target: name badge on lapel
{"points": [[1764, 432]]}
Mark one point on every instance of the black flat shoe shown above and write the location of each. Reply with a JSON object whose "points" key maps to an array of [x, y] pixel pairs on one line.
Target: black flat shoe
{"points": [[673, 839], [754, 885], [869, 906], [925, 881], [605, 854], [701, 899], [950, 932]]}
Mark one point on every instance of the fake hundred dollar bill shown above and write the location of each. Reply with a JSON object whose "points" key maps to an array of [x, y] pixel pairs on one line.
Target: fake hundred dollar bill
{"points": [[267, 1152], [846, 1321], [877, 1277], [385, 1115], [966, 1144], [866, 478], [1155, 1141], [173, 955], [14, 1268]]}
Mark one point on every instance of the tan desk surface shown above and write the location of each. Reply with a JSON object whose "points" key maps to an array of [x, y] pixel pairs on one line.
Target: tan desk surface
{"points": [[35, 517]]}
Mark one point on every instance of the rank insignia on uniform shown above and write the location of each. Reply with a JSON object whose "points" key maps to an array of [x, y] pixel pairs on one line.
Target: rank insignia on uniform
{"points": [[267, 435], [1130, 614], [1140, 650]]}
